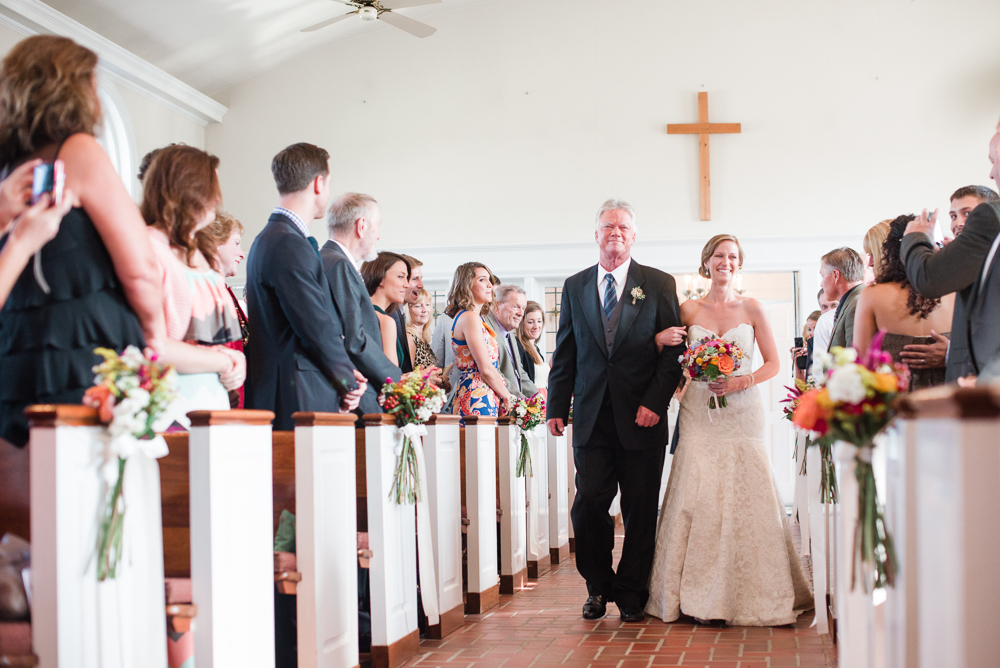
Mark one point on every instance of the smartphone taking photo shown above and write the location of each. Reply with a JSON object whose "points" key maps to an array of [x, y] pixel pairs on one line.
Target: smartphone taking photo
{"points": [[49, 177]]}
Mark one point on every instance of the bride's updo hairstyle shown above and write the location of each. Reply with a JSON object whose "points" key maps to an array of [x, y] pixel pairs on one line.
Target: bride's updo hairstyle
{"points": [[709, 250]]}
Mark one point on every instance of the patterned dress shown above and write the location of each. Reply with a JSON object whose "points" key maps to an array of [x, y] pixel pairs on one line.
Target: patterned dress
{"points": [[474, 396]]}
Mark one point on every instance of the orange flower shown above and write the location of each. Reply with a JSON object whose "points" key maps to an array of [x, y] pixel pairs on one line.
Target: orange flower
{"points": [[726, 364], [811, 409], [101, 398]]}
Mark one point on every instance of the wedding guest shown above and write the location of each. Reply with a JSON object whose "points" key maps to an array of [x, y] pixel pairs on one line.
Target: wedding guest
{"points": [[892, 304], [841, 272], [387, 279], [824, 326], [416, 285], [441, 338], [481, 388], [808, 331], [504, 318], [353, 225], [529, 333], [220, 243], [297, 357], [965, 266], [99, 268], [963, 201], [418, 332], [180, 196], [872, 245]]}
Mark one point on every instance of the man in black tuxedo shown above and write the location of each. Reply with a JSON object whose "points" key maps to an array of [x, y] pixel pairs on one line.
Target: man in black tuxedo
{"points": [[606, 360], [297, 361], [968, 266], [353, 223]]}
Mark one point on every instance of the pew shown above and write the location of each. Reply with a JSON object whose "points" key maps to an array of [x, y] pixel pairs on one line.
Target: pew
{"points": [[479, 447], [513, 512], [537, 490]]}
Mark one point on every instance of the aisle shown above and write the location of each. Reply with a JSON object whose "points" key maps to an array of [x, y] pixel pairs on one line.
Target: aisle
{"points": [[542, 626]]}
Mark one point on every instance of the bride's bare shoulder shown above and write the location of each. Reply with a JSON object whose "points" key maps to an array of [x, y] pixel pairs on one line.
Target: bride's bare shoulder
{"points": [[689, 310]]}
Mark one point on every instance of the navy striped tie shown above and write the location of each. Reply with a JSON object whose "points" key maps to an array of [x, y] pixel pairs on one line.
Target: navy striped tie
{"points": [[610, 296]]}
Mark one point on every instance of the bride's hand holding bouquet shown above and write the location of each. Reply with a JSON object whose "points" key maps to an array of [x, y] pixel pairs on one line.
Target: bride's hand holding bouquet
{"points": [[715, 361]]}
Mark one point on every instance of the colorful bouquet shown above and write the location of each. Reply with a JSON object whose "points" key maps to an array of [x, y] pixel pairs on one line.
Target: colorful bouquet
{"points": [[853, 402], [711, 359], [527, 414], [130, 392], [413, 400]]}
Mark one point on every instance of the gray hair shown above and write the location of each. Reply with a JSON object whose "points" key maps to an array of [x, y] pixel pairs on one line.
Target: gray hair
{"points": [[346, 210], [503, 292], [847, 262], [615, 205]]}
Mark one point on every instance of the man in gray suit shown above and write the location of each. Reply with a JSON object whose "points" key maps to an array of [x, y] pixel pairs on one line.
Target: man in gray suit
{"points": [[505, 315], [842, 272], [353, 224], [968, 266]]}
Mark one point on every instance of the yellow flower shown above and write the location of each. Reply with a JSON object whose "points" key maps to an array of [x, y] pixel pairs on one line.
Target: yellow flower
{"points": [[823, 399], [885, 382], [698, 361]]}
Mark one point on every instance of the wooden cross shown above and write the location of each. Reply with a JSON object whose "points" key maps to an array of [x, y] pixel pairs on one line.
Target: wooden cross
{"points": [[703, 128]]}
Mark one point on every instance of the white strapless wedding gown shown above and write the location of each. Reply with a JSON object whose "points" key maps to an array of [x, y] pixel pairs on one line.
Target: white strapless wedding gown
{"points": [[723, 543]]}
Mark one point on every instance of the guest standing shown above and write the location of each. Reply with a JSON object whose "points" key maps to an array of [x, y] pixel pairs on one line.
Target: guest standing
{"points": [[297, 359], [441, 338], [220, 243], [892, 304], [504, 318], [387, 279], [399, 315], [801, 367], [418, 332], [100, 268], [180, 196], [481, 387], [842, 272], [872, 246], [353, 225], [529, 333]]}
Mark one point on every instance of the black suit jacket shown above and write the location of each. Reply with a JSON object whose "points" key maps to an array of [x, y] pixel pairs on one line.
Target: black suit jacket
{"points": [[362, 336], [297, 361], [958, 267], [634, 373]]}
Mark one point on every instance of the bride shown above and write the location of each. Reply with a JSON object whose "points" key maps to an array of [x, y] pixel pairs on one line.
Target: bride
{"points": [[723, 546]]}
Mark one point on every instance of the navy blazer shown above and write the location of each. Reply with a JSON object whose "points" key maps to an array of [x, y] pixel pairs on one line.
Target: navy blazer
{"points": [[634, 373], [297, 361]]}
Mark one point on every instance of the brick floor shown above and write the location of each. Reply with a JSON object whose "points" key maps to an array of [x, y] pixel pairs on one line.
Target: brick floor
{"points": [[542, 626]]}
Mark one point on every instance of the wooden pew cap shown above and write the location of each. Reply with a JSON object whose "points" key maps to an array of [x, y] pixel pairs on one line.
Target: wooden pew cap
{"points": [[950, 401], [310, 419], [444, 418], [473, 420], [378, 419], [212, 418], [61, 415]]}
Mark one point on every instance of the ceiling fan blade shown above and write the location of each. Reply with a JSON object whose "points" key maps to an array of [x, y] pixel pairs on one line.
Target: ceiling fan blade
{"points": [[415, 28], [403, 4], [328, 22]]}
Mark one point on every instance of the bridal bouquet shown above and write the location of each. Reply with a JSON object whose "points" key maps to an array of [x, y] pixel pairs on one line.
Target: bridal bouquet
{"points": [[853, 402], [527, 414], [710, 359], [130, 392], [412, 401]]}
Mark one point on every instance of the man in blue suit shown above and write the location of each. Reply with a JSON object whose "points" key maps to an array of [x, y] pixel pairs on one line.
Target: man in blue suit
{"points": [[296, 360]]}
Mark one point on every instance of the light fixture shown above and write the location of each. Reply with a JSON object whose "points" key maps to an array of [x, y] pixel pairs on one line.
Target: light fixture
{"points": [[368, 13]]}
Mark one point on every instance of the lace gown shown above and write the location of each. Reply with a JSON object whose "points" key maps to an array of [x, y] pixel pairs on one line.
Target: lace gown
{"points": [[723, 544]]}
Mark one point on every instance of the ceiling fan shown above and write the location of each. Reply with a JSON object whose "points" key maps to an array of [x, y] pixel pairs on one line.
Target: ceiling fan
{"points": [[383, 10]]}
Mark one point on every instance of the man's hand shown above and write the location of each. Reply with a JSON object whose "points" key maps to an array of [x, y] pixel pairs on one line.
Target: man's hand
{"points": [[932, 356], [924, 224], [351, 400], [557, 426], [646, 417]]}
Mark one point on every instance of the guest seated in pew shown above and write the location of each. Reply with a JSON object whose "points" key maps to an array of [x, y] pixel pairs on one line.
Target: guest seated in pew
{"points": [[387, 279], [481, 389], [297, 360], [418, 332], [529, 333], [95, 284], [893, 304], [504, 318], [220, 243], [180, 196], [353, 224]]}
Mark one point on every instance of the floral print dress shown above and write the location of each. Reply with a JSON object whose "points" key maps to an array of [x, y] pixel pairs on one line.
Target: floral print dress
{"points": [[474, 396]]}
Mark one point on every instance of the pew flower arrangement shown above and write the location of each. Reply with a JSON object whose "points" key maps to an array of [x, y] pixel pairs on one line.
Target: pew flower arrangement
{"points": [[527, 414], [853, 402], [827, 476], [130, 392], [412, 401], [710, 359]]}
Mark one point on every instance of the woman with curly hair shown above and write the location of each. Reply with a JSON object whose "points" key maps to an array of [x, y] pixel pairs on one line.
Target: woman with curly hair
{"points": [[892, 304]]}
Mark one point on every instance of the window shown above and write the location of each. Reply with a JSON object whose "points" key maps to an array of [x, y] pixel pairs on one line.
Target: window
{"points": [[115, 135], [439, 301], [553, 300]]}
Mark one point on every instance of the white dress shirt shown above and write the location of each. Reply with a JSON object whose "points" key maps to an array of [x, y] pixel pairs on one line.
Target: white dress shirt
{"points": [[823, 332], [620, 274], [989, 261], [357, 265]]}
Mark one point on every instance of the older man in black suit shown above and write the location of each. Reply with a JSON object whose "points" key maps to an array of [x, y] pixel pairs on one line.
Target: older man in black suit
{"points": [[968, 266], [606, 359], [297, 361], [353, 223]]}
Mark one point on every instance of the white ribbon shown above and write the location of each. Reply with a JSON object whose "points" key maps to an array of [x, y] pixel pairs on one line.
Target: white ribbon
{"points": [[817, 536], [425, 543]]}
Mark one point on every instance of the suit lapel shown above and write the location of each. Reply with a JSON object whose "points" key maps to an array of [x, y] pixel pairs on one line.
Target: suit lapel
{"points": [[629, 310], [592, 307]]}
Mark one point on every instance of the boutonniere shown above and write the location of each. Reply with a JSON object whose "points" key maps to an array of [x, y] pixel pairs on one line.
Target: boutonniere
{"points": [[637, 293]]}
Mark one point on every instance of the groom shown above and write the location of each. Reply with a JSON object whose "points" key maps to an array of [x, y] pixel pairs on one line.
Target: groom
{"points": [[607, 362]]}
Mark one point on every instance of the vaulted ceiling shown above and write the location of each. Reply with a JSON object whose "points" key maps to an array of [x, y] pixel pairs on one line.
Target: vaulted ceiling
{"points": [[213, 44]]}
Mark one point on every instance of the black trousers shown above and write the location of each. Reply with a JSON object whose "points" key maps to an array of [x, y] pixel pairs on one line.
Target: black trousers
{"points": [[602, 466]]}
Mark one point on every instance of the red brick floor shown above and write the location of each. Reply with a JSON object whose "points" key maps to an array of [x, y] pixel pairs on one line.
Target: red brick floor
{"points": [[542, 626]]}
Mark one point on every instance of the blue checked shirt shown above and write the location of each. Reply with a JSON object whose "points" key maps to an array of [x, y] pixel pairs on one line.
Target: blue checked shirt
{"points": [[294, 217]]}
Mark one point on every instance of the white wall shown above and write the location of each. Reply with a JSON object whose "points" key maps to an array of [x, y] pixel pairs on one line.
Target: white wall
{"points": [[516, 119]]}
